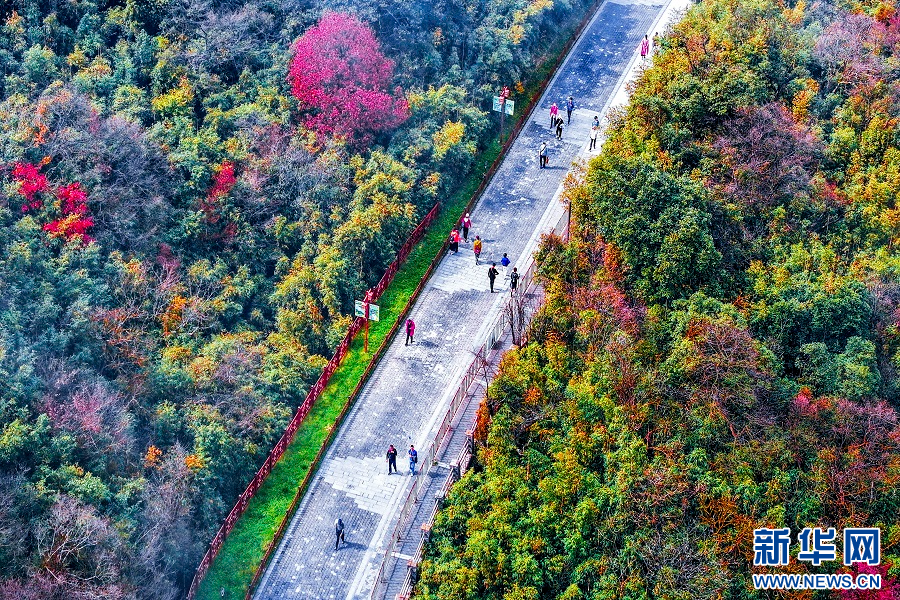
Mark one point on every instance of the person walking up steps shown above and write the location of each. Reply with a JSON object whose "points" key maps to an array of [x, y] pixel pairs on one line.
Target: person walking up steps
{"points": [[466, 223], [410, 333], [492, 275], [559, 127], [476, 247], [596, 122], [554, 110], [392, 459], [594, 131], [338, 533], [504, 262], [570, 106], [413, 459], [645, 48], [513, 281], [454, 241], [542, 154]]}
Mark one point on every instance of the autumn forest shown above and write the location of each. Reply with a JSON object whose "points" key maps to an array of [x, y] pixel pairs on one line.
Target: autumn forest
{"points": [[720, 343], [192, 194]]}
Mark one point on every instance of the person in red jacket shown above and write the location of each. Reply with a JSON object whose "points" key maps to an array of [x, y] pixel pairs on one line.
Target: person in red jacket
{"points": [[410, 332]]}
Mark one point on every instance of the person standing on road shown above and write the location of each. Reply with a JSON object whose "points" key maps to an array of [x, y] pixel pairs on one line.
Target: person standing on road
{"points": [[410, 333], [504, 262], [596, 122], [413, 459], [392, 459], [570, 106], [476, 247], [542, 154], [466, 223], [338, 533], [492, 275], [645, 48], [454, 241], [559, 128], [594, 131], [554, 110], [513, 281]]}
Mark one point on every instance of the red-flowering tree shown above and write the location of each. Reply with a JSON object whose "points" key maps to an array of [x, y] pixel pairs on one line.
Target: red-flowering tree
{"points": [[341, 79], [31, 182], [214, 206], [75, 220]]}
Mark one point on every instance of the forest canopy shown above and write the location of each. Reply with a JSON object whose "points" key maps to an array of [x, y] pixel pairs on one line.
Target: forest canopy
{"points": [[720, 341], [190, 201]]}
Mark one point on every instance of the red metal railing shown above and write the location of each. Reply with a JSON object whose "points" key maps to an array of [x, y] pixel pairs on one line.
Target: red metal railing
{"points": [[311, 397]]}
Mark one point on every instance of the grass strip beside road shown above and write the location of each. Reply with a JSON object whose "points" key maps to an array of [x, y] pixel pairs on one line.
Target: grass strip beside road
{"points": [[240, 555]]}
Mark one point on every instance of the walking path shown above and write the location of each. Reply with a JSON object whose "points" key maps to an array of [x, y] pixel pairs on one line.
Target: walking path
{"points": [[410, 389]]}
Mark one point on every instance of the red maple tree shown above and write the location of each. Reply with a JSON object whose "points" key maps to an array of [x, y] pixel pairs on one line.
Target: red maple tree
{"points": [[341, 79], [75, 221], [31, 182]]}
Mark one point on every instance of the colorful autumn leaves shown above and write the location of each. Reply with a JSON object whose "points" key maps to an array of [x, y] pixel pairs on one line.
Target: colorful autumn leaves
{"points": [[69, 206], [341, 80]]}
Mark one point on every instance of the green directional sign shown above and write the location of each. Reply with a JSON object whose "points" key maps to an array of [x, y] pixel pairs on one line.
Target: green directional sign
{"points": [[508, 107], [359, 310]]}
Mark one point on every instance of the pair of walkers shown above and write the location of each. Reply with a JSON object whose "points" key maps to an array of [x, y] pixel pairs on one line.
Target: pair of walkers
{"points": [[392, 459], [513, 277], [554, 111], [464, 225]]}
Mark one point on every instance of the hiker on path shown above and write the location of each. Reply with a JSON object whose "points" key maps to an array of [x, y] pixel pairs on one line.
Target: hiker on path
{"points": [[645, 48], [570, 106], [513, 281], [454, 241], [554, 110], [413, 459], [542, 154], [654, 43], [504, 262], [476, 247], [338, 533], [559, 128], [410, 332], [594, 132], [466, 223], [596, 122], [392, 459], [492, 275]]}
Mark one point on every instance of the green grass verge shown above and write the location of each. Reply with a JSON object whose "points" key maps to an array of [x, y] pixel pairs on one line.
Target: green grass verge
{"points": [[240, 555]]}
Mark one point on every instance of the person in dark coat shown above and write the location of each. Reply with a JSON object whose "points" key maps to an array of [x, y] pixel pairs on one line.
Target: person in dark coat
{"points": [[338, 533], [392, 459], [492, 275]]}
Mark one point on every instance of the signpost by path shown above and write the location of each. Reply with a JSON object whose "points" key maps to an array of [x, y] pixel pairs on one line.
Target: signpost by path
{"points": [[503, 106], [371, 312]]}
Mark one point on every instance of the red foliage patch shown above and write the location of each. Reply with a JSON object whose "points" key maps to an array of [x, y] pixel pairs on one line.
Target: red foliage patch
{"points": [[890, 590], [341, 78], [223, 183], [75, 221], [31, 182]]}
